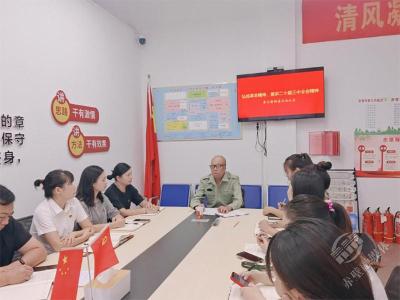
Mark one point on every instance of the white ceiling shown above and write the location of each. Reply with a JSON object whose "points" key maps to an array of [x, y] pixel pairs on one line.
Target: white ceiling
{"points": [[142, 15]]}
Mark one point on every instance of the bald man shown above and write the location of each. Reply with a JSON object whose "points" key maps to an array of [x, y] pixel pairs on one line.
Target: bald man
{"points": [[219, 189]]}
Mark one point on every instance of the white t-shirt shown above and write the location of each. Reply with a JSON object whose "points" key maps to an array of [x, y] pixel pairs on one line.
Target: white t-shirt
{"points": [[376, 284], [50, 217]]}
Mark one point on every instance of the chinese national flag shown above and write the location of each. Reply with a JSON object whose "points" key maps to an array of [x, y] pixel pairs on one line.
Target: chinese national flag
{"points": [[152, 171], [103, 251], [67, 275]]}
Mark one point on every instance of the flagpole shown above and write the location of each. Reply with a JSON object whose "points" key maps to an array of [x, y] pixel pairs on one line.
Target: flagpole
{"points": [[148, 168], [90, 275]]}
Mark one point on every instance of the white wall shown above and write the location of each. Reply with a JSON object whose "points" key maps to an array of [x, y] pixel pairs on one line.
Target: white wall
{"points": [[76, 46], [354, 69], [80, 48], [215, 48], [263, 35]]}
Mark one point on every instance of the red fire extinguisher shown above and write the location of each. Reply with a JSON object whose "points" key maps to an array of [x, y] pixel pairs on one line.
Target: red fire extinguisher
{"points": [[378, 226], [368, 225], [388, 227], [397, 227]]}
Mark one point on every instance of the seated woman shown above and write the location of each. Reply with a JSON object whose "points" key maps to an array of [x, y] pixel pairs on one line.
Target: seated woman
{"points": [[92, 183], [54, 218], [309, 206], [123, 194], [304, 262], [311, 180], [14, 238], [291, 165]]}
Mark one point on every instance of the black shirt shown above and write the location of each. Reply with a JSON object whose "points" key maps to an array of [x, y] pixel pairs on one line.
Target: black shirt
{"points": [[12, 237], [123, 200]]}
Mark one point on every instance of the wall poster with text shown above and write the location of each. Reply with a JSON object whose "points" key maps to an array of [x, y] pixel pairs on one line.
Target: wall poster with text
{"points": [[197, 112], [377, 147]]}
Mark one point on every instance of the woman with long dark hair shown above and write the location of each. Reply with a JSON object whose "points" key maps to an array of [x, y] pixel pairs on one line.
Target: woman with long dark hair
{"points": [[311, 180], [123, 194], [296, 162], [91, 186], [309, 206], [291, 165], [305, 261]]}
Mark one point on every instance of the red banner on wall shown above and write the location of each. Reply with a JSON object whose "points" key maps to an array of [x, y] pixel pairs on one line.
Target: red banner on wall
{"points": [[78, 144], [349, 19], [64, 111]]}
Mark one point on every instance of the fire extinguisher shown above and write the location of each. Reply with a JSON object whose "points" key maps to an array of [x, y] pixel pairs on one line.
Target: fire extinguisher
{"points": [[388, 227], [378, 226], [367, 222], [397, 226]]}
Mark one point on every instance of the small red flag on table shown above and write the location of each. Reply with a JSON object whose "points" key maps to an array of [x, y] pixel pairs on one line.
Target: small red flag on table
{"points": [[104, 253], [67, 275]]}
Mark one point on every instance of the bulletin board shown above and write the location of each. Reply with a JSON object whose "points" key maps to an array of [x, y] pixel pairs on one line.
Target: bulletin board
{"points": [[377, 145], [198, 112]]}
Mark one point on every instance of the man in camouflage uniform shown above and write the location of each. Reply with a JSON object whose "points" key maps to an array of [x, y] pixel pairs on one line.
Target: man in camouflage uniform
{"points": [[219, 189]]}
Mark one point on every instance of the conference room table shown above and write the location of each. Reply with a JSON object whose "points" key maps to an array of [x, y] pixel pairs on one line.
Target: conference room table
{"points": [[175, 256], [205, 272]]}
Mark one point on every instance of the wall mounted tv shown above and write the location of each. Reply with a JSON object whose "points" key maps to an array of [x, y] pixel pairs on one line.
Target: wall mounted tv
{"points": [[281, 94]]}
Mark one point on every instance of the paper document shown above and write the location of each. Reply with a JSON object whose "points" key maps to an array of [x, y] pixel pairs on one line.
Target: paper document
{"points": [[257, 230], [212, 211], [209, 211], [255, 250], [37, 288], [117, 238], [267, 291], [233, 213], [129, 226], [200, 220], [43, 276]]}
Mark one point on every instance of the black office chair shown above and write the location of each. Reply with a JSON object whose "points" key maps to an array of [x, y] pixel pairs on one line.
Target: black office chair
{"points": [[392, 287], [26, 222]]}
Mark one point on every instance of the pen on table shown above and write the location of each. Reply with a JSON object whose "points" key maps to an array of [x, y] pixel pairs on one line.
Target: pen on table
{"points": [[236, 223]]}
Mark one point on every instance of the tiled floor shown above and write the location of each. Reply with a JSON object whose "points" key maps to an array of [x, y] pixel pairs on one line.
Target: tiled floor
{"points": [[390, 259]]}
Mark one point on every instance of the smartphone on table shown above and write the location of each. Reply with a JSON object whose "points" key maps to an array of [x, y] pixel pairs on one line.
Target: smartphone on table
{"points": [[249, 256], [239, 280]]}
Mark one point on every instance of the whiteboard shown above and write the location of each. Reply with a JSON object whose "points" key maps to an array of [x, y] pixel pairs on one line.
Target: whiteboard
{"points": [[198, 112]]}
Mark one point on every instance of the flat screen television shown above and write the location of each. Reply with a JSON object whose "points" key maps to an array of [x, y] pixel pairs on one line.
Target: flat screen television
{"points": [[280, 95]]}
